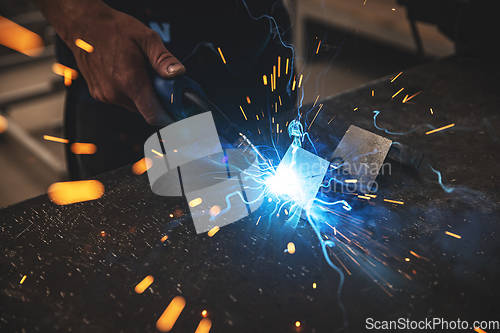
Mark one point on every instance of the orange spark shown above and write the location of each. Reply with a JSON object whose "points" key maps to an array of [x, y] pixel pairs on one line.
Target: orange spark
{"points": [[286, 68], [394, 78], [4, 124], [67, 77], [23, 279], [297, 323], [419, 256], [170, 315], [407, 259], [300, 80], [400, 90], [355, 109], [221, 55], [331, 120], [248, 100], [279, 97], [65, 193], [413, 96], [55, 139], [314, 285], [213, 231], [142, 165], [348, 272], [315, 101], [264, 78], [20, 39], [320, 107], [244, 115], [478, 330], [364, 197], [432, 112], [204, 313], [290, 248], [164, 238], [215, 210], [144, 284], [452, 234], [204, 326], [84, 45], [351, 181], [156, 152], [274, 77], [279, 66], [440, 129], [393, 201], [294, 82], [83, 148], [404, 99], [62, 70], [319, 44], [373, 93], [172, 99], [195, 202]]}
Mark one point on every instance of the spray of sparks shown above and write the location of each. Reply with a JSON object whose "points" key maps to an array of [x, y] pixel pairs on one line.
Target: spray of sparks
{"points": [[324, 216]]}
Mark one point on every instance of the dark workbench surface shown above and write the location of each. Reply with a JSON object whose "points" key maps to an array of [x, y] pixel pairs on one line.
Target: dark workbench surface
{"points": [[83, 281]]}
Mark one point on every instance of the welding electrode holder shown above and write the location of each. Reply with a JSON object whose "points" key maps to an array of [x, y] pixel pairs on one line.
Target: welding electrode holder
{"points": [[405, 155], [183, 98]]}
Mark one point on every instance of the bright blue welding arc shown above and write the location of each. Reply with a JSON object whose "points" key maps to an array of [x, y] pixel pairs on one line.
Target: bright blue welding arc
{"points": [[228, 203], [296, 132], [343, 202], [332, 265], [273, 22], [395, 133], [447, 189]]}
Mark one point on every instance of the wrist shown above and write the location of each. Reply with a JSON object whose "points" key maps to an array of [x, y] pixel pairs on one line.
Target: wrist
{"points": [[72, 18]]}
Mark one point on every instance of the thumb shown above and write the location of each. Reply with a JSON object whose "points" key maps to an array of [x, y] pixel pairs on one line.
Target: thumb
{"points": [[163, 62]]}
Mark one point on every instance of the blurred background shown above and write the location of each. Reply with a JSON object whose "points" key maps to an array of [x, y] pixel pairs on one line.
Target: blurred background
{"points": [[362, 40]]}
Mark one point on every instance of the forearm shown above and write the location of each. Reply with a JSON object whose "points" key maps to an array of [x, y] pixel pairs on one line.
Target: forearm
{"points": [[116, 71], [67, 16]]}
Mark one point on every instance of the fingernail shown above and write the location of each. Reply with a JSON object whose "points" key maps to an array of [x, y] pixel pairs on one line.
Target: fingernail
{"points": [[174, 68]]}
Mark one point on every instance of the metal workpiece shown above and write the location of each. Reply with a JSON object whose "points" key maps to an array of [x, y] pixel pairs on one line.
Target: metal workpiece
{"points": [[361, 156]]}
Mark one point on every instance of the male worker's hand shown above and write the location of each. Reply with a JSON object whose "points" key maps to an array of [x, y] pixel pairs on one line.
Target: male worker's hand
{"points": [[116, 71]]}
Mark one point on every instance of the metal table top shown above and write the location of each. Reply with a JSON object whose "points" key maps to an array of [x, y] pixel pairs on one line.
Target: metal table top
{"points": [[82, 261]]}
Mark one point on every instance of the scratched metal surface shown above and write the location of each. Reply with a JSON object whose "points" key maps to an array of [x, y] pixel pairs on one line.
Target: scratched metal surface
{"points": [[80, 281]]}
